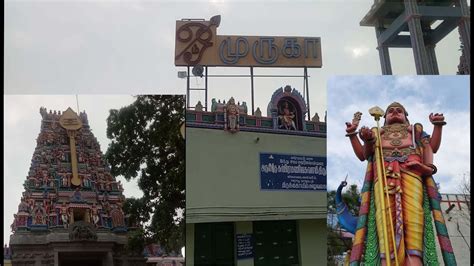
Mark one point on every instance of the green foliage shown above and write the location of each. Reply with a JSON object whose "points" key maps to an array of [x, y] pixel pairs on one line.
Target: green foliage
{"points": [[336, 246], [136, 242], [138, 211], [147, 144]]}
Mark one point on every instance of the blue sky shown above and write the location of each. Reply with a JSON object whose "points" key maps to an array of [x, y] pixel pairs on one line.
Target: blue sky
{"points": [[420, 95]]}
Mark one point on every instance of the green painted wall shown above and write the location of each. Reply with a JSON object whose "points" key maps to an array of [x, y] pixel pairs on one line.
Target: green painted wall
{"points": [[223, 177], [313, 242]]}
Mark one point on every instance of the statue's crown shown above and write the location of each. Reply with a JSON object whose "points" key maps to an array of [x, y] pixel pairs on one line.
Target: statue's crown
{"points": [[396, 104]]}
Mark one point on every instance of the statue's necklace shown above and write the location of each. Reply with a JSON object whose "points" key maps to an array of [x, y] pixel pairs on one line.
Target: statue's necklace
{"points": [[395, 134]]}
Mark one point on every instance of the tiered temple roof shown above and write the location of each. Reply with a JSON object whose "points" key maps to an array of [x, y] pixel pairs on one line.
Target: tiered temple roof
{"points": [[68, 180]]}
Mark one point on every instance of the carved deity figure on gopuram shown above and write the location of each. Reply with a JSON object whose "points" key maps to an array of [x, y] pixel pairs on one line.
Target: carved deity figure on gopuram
{"points": [[232, 116], [400, 201], [286, 117]]}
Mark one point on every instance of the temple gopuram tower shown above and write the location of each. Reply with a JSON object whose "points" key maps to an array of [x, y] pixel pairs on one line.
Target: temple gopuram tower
{"points": [[71, 210]]}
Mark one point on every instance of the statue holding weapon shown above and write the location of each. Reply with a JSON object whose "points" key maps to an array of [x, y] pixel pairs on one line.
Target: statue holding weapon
{"points": [[399, 198]]}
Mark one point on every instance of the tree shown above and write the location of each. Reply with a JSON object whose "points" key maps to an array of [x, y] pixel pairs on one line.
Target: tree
{"points": [[465, 186], [462, 66], [465, 215], [147, 145], [465, 189]]}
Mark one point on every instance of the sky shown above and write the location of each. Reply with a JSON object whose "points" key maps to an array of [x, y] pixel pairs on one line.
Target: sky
{"points": [[111, 46], [420, 95], [22, 126]]}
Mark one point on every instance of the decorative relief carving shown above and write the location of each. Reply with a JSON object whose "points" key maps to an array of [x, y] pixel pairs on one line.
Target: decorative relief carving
{"points": [[82, 231]]}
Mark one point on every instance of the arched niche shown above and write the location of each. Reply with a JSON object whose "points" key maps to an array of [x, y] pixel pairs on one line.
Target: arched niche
{"points": [[117, 218], [288, 109]]}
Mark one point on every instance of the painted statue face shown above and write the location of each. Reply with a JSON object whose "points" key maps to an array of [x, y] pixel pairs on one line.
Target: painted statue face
{"points": [[395, 115]]}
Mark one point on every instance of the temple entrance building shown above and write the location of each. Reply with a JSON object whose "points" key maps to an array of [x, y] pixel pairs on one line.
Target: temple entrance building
{"points": [[255, 184], [255, 178], [71, 210]]}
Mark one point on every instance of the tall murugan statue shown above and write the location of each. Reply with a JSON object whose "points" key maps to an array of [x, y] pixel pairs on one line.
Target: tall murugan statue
{"points": [[399, 197]]}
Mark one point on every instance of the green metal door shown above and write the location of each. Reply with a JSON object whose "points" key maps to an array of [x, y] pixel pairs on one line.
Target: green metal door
{"points": [[275, 243], [214, 244]]}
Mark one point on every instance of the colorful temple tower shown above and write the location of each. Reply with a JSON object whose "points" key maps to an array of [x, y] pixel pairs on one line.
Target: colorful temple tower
{"points": [[71, 210]]}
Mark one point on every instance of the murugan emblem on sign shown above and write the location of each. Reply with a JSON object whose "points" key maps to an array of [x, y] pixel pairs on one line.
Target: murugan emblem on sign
{"points": [[196, 37]]}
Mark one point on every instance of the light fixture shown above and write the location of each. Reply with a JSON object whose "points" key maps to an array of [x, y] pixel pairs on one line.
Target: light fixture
{"points": [[198, 71], [182, 74]]}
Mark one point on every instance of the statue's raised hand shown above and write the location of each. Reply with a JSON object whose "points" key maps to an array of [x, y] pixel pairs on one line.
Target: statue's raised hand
{"points": [[351, 127], [366, 134], [437, 119]]}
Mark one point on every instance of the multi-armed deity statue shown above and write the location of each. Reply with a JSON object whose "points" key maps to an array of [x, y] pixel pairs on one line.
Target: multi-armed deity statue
{"points": [[399, 198]]}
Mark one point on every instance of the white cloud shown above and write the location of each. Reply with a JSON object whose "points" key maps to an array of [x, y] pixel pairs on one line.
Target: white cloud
{"points": [[358, 51], [413, 83], [137, 6], [71, 43], [453, 157], [18, 38], [218, 6]]}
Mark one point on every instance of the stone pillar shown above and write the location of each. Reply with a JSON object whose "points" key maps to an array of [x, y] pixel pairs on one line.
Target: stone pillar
{"points": [[87, 217], [430, 51], [416, 38], [465, 30], [125, 261], [275, 118], [56, 258], [383, 53], [38, 260], [109, 259]]}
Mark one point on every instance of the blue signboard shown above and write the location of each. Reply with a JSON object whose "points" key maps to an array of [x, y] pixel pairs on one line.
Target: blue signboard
{"points": [[292, 172], [244, 246]]}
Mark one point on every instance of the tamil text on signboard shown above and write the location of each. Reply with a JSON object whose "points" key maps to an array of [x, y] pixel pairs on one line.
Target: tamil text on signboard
{"points": [[244, 246], [198, 43], [292, 172]]}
